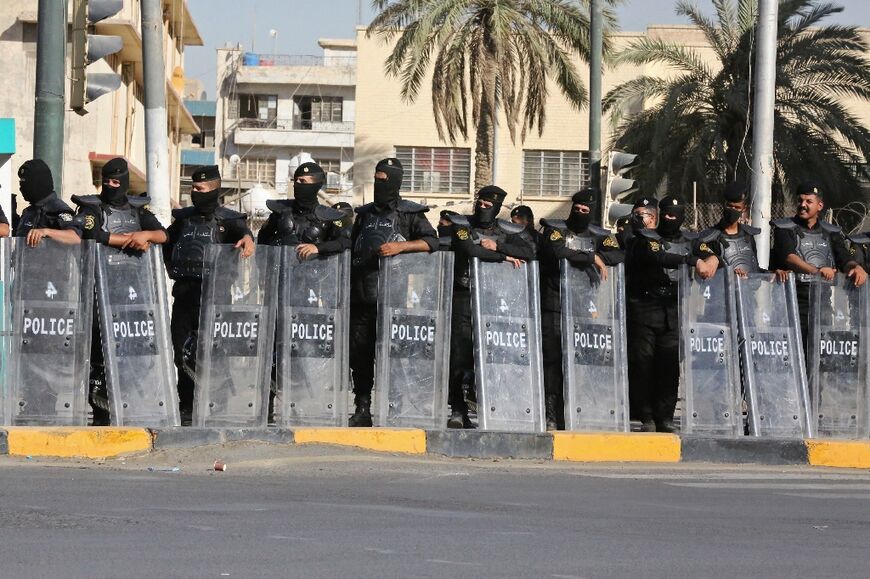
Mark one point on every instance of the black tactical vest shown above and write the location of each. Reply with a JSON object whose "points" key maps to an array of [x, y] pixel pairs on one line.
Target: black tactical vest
{"points": [[375, 230], [497, 232], [737, 251], [813, 245], [188, 255], [295, 227]]}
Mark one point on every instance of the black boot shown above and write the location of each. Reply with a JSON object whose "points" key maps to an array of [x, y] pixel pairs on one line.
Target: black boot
{"points": [[647, 425], [362, 417], [667, 426]]}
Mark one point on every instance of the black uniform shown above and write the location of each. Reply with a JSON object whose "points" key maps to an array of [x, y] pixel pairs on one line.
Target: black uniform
{"points": [[98, 220], [191, 231], [579, 248], [652, 263], [49, 213], [513, 241], [821, 246], [374, 227], [290, 224]]}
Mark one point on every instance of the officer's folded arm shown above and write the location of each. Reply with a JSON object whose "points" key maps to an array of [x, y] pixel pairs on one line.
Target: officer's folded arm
{"points": [[66, 236]]}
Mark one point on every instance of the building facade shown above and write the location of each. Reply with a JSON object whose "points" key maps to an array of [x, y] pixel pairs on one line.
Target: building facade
{"points": [[115, 123], [275, 111], [543, 171]]}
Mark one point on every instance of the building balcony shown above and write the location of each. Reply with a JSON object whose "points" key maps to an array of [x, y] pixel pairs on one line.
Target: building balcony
{"points": [[295, 132], [287, 69]]}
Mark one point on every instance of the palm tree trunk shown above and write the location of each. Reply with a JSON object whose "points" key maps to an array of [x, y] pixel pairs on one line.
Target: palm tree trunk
{"points": [[485, 130]]}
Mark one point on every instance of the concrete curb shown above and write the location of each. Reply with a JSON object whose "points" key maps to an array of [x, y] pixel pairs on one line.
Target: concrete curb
{"points": [[105, 442]]}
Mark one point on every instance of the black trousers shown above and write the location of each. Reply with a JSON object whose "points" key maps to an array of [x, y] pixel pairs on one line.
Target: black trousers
{"points": [[363, 336], [185, 322], [653, 358], [551, 342], [98, 388], [461, 349]]}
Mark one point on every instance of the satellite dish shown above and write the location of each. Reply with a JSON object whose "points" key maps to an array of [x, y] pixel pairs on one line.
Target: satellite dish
{"points": [[235, 160]]}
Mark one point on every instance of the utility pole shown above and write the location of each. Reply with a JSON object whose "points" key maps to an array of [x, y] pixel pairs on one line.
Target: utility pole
{"points": [[596, 50], [762, 125], [48, 118], [156, 121]]}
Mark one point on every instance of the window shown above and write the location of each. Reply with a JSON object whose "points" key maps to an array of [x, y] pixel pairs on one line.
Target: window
{"points": [[435, 170], [316, 110], [554, 173], [254, 109], [256, 170]]}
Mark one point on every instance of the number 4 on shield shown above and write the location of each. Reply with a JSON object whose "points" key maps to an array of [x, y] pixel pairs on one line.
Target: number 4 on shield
{"points": [[50, 291]]}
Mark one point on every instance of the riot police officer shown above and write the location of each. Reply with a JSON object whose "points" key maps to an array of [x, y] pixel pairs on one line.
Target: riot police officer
{"points": [[811, 248], [644, 215], [484, 236], [303, 222], [445, 229], [732, 241], [523, 215], [47, 216], [389, 226], [652, 262], [347, 214], [118, 220], [585, 246], [192, 230]]}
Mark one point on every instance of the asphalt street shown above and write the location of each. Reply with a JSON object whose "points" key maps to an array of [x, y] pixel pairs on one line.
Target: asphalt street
{"points": [[285, 511]]}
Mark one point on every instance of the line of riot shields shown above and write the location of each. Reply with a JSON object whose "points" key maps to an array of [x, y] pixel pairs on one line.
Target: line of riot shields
{"points": [[273, 344]]}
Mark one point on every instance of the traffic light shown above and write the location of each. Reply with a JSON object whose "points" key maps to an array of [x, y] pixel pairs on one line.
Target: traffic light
{"points": [[88, 48], [618, 188]]}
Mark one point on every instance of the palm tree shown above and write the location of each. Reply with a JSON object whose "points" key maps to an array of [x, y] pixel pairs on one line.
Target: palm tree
{"points": [[699, 126], [488, 55]]}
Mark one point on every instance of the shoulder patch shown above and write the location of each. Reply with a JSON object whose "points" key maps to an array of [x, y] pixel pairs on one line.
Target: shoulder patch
{"points": [[90, 222], [704, 247], [462, 234], [556, 235], [610, 241], [338, 223], [655, 245], [66, 216]]}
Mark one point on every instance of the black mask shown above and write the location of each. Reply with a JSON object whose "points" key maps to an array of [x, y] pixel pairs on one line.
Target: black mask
{"points": [[386, 194], [445, 230], [671, 227], [206, 202], [731, 216], [305, 194], [636, 221], [486, 217], [578, 222], [114, 195], [36, 183]]}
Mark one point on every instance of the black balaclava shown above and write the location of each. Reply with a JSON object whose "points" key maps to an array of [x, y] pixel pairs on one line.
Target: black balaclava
{"points": [[206, 201], [636, 220], [35, 181], [446, 230], [387, 190], [579, 222], [525, 212], [305, 194], [115, 169], [734, 193], [347, 209], [671, 205], [494, 194]]}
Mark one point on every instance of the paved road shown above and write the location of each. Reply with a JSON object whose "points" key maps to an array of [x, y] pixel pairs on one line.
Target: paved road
{"points": [[321, 512]]}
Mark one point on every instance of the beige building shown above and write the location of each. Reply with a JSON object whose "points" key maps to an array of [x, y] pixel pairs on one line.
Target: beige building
{"points": [[115, 124], [543, 172]]}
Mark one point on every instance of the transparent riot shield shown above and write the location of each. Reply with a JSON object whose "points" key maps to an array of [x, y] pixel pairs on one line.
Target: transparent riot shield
{"points": [[312, 346], [837, 358], [507, 346], [236, 335], [137, 348], [594, 363], [709, 363], [413, 352], [5, 333], [51, 303], [773, 361]]}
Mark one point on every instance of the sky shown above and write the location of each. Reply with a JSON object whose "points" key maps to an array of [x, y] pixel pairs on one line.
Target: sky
{"points": [[300, 23]]}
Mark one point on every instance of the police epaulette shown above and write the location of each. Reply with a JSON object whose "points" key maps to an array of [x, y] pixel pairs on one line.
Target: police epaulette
{"points": [[278, 205], [325, 213], [830, 227], [510, 227], [139, 201], [862, 238], [554, 223], [406, 206], [598, 231], [648, 234], [89, 200], [750, 230], [690, 235], [785, 223], [708, 235], [364, 208], [460, 220]]}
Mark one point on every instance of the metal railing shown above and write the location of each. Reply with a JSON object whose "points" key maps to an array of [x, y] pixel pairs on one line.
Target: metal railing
{"points": [[297, 123]]}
